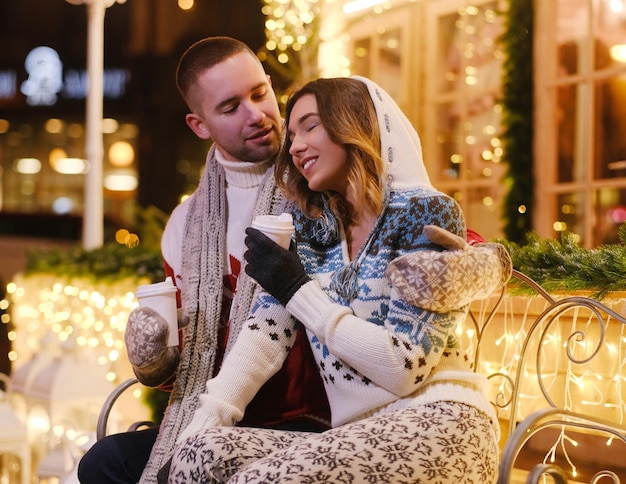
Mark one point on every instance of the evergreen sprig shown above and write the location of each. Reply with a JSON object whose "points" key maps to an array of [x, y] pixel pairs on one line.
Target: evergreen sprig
{"points": [[110, 262], [517, 118], [564, 265]]}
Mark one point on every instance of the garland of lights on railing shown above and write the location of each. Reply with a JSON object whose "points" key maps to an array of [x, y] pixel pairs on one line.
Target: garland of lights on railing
{"points": [[574, 354]]}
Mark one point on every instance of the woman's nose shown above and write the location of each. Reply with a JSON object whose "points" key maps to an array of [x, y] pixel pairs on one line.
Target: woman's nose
{"points": [[297, 146]]}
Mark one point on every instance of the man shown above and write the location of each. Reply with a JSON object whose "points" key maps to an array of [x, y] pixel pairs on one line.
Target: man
{"points": [[232, 103]]}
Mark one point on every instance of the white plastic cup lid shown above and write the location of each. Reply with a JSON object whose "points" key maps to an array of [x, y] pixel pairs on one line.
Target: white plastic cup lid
{"points": [[275, 222]]}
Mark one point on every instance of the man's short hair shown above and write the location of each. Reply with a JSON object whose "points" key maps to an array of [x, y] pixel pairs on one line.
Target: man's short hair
{"points": [[203, 55]]}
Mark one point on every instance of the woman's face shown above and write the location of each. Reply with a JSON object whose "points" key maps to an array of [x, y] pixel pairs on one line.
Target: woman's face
{"points": [[320, 160]]}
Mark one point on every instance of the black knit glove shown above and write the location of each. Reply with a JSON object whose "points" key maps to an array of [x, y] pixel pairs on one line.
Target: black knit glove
{"points": [[278, 271]]}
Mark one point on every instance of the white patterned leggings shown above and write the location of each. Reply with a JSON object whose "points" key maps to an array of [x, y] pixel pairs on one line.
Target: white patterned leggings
{"points": [[445, 442]]}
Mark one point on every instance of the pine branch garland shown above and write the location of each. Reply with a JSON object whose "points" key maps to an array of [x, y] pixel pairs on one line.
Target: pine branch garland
{"points": [[564, 265], [112, 261]]}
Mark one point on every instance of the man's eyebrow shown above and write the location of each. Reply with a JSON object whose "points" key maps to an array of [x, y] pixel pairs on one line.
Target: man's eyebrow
{"points": [[235, 99]]}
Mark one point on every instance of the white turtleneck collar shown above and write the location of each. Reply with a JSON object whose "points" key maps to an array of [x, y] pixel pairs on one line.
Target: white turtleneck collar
{"points": [[243, 174]]}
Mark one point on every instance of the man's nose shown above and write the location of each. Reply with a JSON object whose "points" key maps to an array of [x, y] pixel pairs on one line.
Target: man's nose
{"points": [[255, 113]]}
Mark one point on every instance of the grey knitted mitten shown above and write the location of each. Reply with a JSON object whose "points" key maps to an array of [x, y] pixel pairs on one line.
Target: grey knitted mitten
{"points": [[146, 335], [442, 281]]}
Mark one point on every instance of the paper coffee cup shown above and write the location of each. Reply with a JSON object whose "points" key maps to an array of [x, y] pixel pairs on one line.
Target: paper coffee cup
{"points": [[161, 296], [279, 228]]}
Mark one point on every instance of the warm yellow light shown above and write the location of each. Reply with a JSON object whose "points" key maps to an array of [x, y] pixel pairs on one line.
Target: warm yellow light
{"points": [[54, 126], [120, 182], [357, 5], [110, 125], [75, 130], [70, 166], [38, 420], [28, 166], [618, 53], [185, 4], [121, 236], [616, 6], [55, 155], [121, 154]]}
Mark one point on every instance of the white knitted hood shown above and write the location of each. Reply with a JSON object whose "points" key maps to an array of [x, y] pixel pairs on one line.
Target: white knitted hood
{"points": [[400, 143]]}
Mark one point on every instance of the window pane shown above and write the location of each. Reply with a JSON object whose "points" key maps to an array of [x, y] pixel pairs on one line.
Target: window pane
{"points": [[482, 144], [609, 212], [389, 73], [570, 215], [483, 212], [610, 208], [362, 58], [449, 141], [610, 128], [610, 29], [468, 48], [447, 72], [572, 20], [572, 130]]}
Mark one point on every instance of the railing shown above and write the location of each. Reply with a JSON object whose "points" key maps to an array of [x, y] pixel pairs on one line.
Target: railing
{"points": [[557, 367]]}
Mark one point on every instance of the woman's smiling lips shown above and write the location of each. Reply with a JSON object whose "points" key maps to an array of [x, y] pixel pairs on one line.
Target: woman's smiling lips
{"points": [[307, 161]]}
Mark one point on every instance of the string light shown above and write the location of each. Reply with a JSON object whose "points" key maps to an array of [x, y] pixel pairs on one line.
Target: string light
{"points": [[292, 34], [93, 312], [586, 382]]}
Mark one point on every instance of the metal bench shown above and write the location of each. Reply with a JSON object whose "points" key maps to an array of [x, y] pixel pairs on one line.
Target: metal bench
{"points": [[555, 342]]}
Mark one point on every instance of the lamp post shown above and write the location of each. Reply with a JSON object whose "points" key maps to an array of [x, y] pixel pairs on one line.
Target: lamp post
{"points": [[92, 235]]}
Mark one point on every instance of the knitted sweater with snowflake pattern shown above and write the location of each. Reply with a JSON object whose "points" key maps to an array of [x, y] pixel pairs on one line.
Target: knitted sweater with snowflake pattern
{"points": [[376, 352]]}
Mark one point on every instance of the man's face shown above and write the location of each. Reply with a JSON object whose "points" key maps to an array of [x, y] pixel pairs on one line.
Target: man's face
{"points": [[234, 104]]}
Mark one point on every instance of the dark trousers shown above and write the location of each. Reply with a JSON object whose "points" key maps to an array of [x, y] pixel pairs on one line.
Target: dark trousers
{"points": [[118, 458]]}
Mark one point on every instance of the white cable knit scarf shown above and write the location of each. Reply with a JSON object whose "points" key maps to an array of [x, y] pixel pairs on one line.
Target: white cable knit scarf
{"points": [[202, 287]]}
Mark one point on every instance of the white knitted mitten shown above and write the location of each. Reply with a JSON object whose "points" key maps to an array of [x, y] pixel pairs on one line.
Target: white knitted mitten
{"points": [[146, 335], [212, 412], [442, 281]]}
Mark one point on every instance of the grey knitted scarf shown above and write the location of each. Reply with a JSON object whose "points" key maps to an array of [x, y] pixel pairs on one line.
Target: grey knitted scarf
{"points": [[202, 287]]}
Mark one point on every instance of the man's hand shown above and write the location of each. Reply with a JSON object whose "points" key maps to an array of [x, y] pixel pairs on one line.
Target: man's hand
{"points": [[278, 271], [146, 336]]}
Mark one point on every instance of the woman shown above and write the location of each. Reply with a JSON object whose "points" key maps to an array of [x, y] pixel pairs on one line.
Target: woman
{"points": [[405, 406]]}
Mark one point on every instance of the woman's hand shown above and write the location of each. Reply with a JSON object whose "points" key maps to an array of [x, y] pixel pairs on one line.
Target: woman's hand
{"points": [[278, 271]]}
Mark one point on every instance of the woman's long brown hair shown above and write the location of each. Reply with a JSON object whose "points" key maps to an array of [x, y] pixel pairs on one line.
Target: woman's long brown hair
{"points": [[349, 116]]}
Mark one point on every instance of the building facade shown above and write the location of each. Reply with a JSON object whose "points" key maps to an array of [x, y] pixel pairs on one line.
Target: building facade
{"points": [[440, 59]]}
